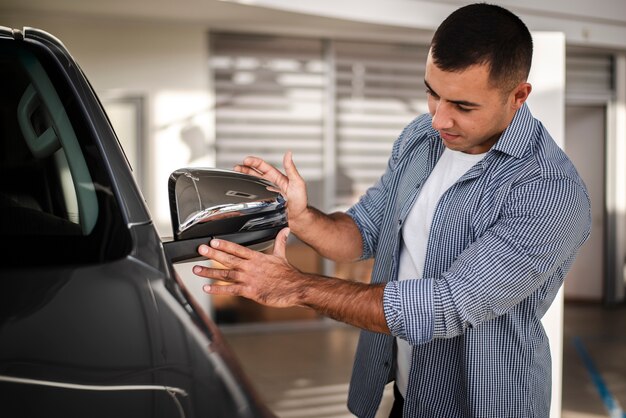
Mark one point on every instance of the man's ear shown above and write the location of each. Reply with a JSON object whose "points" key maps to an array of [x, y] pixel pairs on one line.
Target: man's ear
{"points": [[520, 94]]}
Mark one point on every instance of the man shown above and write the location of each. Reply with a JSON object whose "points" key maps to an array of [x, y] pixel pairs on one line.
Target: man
{"points": [[473, 227]]}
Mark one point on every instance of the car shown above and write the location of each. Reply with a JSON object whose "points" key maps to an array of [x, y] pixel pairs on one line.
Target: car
{"points": [[94, 320]]}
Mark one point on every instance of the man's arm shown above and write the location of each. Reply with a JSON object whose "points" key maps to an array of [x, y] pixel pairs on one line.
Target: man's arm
{"points": [[270, 280], [335, 236]]}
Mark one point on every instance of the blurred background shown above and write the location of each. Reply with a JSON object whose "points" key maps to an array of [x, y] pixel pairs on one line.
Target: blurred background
{"points": [[205, 83]]}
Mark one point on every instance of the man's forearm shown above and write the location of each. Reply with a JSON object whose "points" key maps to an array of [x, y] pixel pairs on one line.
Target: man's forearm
{"points": [[269, 279], [334, 236], [354, 303]]}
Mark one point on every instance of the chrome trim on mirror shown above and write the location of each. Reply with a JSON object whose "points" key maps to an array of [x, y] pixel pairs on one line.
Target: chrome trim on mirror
{"points": [[210, 202], [234, 210]]}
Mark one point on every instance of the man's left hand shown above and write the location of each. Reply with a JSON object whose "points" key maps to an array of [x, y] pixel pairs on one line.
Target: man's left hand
{"points": [[265, 278]]}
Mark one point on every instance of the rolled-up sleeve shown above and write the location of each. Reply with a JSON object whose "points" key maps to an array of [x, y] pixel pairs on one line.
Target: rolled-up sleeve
{"points": [[527, 251], [408, 307]]}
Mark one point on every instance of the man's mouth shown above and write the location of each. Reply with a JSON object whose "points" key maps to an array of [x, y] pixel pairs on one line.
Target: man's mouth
{"points": [[448, 136]]}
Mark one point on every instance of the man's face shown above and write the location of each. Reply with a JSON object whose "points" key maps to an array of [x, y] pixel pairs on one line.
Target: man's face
{"points": [[469, 112]]}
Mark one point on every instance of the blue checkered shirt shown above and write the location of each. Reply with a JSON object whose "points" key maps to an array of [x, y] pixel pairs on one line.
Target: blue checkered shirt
{"points": [[501, 241]]}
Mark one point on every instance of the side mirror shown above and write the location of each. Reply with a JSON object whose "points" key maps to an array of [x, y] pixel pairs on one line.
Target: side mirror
{"points": [[208, 203]]}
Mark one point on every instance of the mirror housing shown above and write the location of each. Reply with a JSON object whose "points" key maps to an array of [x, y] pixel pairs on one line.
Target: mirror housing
{"points": [[214, 203]]}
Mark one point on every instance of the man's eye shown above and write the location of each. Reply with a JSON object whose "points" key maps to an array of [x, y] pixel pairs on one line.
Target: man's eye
{"points": [[463, 108], [430, 93]]}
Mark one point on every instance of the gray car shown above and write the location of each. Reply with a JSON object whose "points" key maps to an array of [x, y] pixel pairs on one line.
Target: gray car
{"points": [[94, 321]]}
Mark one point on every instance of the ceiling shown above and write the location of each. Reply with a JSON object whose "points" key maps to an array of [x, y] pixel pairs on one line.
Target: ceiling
{"points": [[215, 14]]}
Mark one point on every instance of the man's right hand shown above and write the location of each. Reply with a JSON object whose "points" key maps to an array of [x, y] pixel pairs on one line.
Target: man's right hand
{"points": [[290, 185], [335, 236]]}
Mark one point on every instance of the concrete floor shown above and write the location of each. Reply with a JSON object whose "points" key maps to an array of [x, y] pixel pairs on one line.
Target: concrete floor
{"points": [[302, 370], [594, 362]]}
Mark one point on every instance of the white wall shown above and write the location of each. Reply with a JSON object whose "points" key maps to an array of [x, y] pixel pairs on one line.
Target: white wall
{"points": [[584, 143], [547, 103], [583, 22]]}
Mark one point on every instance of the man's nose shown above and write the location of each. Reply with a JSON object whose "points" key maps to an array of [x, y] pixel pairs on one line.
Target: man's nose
{"points": [[442, 118]]}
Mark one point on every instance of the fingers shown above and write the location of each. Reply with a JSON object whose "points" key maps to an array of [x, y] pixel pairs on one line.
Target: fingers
{"points": [[232, 276], [218, 289], [232, 248], [257, 163], [224, 275], [225, 251], [248, 170], [257, 276], [280, 243], [233, 287], [290, 167], [258, 167], [254, 166]]}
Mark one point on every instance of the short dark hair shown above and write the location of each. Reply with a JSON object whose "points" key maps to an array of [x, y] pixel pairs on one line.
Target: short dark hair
{"points": [[480, 34]]}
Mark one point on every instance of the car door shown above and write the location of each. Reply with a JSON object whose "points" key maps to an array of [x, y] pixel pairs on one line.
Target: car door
{"points": [[93, 321]]}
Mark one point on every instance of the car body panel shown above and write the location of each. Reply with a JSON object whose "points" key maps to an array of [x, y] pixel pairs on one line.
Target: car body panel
{"points": [[116, 333]]}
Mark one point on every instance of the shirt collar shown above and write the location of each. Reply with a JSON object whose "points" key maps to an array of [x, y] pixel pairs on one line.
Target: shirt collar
{"points": [[516, 138]]}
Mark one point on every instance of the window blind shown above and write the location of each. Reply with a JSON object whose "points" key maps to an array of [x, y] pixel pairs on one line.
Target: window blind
{"points": [[588, 75], [380, 89], [269, 97]]}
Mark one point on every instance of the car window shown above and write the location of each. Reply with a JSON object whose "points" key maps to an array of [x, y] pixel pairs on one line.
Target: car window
{"points": [[55, 194]]}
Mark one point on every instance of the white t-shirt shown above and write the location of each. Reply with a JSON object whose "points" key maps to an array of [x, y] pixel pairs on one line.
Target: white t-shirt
{"points": [[450, 167]]}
